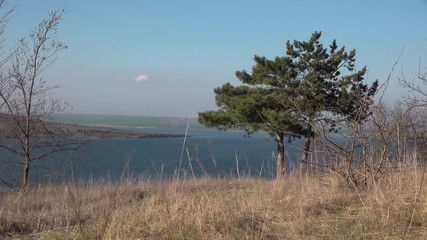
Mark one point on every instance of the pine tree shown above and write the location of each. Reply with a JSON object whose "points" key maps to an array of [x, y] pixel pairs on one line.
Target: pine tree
{"points": [[287, 95]]}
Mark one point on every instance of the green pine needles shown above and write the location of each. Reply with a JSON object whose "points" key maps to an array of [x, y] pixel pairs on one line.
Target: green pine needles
{"points": [[287, 96]]}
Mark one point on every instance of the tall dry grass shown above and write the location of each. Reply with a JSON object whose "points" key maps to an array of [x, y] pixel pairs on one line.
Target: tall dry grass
{"points": [[310, 207]]}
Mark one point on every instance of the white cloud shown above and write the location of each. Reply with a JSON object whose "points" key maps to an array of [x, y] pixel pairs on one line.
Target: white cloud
{"points": [[141, 78]]}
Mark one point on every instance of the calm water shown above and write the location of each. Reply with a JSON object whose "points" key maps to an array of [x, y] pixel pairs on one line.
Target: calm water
{"points": [[205, 152]]}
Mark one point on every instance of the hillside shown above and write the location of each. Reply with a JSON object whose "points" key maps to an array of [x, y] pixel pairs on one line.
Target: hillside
{"points": [[313, 207]]}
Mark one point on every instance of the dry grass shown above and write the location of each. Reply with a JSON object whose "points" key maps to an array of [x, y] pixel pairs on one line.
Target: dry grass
{"points": [[205, 208]]}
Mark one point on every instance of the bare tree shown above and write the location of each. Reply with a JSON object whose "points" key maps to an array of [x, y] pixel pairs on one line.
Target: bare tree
{"points": [[343, 150], [368, 146], [28, 101], [417, 87], [416, 100]]}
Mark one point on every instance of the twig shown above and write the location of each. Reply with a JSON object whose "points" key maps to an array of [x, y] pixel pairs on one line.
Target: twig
{"points": [[183, 146]]}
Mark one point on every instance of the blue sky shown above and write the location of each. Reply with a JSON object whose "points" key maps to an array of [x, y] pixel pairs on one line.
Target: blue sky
{"points": [[163, 58]]}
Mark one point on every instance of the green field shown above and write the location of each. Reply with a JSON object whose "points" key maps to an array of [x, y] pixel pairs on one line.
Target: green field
{"points": [[127, 121]]}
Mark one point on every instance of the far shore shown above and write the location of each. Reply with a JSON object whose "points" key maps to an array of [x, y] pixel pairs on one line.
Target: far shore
{"points": [[90, 132]]}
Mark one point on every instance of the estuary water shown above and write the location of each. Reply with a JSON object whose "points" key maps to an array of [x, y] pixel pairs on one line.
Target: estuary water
{"points": [[203, 152]]}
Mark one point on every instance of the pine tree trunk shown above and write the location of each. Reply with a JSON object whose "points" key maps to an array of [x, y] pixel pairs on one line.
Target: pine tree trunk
{"points": [[316, 163], [25, 174], [280, 155], [305, 166], [304, 162]]}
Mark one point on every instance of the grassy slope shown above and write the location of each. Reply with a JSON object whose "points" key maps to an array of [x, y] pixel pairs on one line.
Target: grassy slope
{"points": [[206, 208]]}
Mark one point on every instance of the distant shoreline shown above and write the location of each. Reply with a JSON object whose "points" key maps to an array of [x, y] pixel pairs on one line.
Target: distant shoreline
{"points": [[127, 121], [95, 132]]}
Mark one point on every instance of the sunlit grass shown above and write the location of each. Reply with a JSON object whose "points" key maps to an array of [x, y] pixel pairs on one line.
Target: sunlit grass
{"points": [[313, 207]]}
